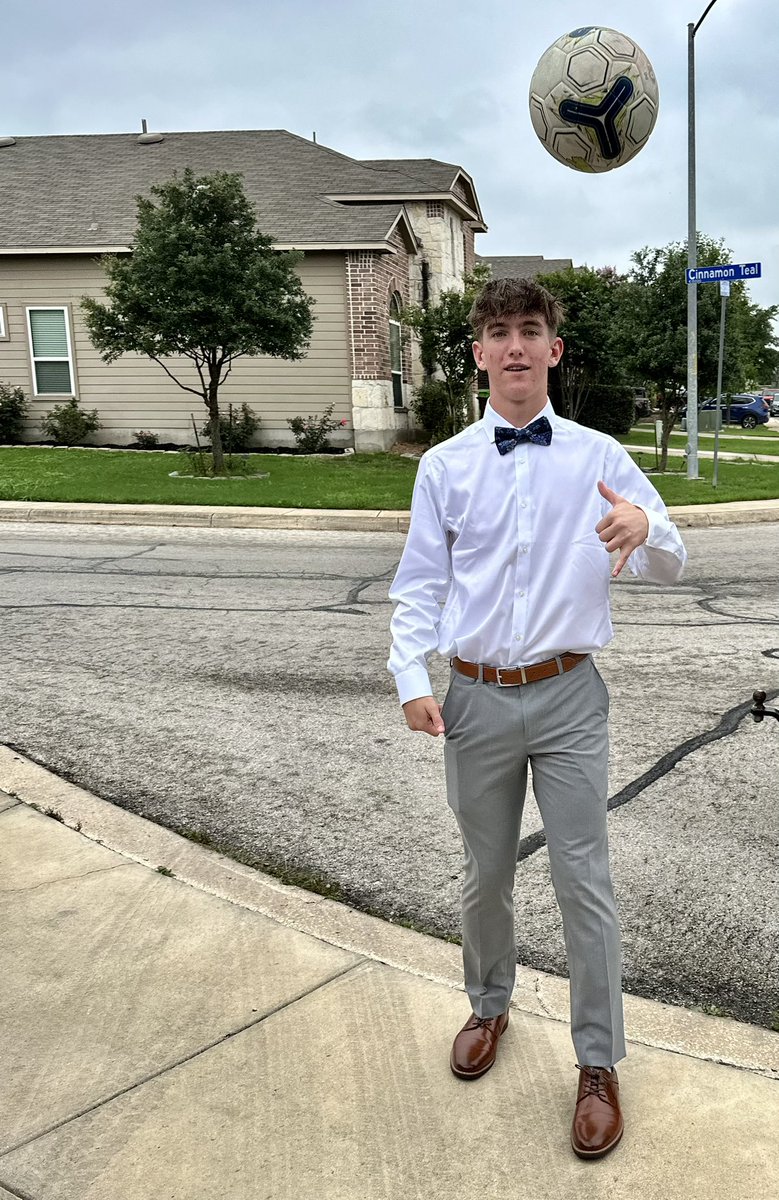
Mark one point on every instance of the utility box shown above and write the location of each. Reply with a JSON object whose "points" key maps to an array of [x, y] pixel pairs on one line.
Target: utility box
{"points": [[710, 419]]}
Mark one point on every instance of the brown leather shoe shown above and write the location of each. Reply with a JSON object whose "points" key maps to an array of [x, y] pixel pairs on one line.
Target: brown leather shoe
{"points": [[597, 1119], [476, 1045]]}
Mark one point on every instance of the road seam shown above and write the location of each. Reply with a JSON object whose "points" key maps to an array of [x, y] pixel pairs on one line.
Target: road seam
{"points": [[138, 1083]]}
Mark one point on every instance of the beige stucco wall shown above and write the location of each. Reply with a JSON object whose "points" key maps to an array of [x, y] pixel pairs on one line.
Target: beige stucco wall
{"points": [[135, 393]]}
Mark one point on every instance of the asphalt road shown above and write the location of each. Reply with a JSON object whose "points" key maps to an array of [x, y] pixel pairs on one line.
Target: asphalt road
{"points": [[232, 685]]}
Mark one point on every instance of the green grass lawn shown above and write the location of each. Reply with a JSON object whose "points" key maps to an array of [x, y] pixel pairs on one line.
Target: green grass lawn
{"points": [[736, 481], [359, 481], [730, 443], [134, 477]]}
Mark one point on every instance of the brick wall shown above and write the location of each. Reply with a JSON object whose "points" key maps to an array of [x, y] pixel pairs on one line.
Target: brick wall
{"points": [[371, 279], [469, 250]]}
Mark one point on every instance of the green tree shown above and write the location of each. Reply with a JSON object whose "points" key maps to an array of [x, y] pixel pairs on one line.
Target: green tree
{"points": [[593, 364], [203, 283], [445, 347], [652, 325]]}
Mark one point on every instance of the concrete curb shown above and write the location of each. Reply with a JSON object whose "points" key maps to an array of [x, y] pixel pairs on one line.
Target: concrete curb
{"points": [[690, 516], [661, 1026], [209, 516]]}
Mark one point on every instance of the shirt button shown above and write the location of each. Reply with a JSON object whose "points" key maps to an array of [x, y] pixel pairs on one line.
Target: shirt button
{"points": [[523, 549], [517, 637], [523, 504], [521, 592]]}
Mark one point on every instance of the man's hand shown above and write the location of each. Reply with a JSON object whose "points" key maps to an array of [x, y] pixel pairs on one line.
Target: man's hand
{"points": [[424, 715], [624, 528]]}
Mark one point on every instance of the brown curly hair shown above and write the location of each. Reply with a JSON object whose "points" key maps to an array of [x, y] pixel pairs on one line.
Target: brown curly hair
{"points": [[500, 298]]}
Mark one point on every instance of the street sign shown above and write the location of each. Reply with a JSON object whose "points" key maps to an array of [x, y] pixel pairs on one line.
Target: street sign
{"points": [[724, 287], [726, 271]]}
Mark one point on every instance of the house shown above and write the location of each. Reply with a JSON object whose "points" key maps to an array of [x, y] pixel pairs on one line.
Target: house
{"points": [[523, 266], [376, 234]]}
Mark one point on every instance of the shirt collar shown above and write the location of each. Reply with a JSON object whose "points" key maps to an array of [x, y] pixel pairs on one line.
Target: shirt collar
{"points": [[491, 419]]}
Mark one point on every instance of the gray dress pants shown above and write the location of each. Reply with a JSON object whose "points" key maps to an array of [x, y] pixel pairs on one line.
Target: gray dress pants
{"points": [[559, 725]]}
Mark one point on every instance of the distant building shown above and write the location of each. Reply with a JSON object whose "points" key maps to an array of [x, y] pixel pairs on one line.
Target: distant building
{"points": [[523, 266]]}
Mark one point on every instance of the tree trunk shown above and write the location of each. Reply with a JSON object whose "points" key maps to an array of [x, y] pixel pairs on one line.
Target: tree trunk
{"points": [[213, 413], [574, 390]]}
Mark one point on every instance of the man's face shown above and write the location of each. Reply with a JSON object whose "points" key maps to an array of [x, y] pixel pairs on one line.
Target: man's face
{"points": [[516, 353]]}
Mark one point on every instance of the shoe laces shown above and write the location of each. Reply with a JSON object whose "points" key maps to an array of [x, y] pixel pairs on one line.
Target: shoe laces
{"points": [[594, 1082]]}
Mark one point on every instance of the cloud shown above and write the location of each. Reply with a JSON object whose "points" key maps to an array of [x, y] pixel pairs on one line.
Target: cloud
{"points": [[430, 80]]}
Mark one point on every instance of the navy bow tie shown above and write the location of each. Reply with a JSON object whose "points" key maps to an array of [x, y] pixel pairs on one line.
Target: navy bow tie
{"points": [[538, 431]]}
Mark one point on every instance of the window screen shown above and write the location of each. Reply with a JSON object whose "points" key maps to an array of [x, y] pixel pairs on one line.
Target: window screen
{"points": [[51, 360]]}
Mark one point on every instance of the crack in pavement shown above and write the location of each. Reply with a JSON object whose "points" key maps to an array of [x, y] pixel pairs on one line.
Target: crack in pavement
{"points": [[62, 878], [727, 725], [112, 558], [159, 608], [353, 596], [250, 576], [708, 605]]}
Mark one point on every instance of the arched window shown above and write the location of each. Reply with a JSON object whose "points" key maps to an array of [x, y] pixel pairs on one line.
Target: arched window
{"points": [[396, 351]]}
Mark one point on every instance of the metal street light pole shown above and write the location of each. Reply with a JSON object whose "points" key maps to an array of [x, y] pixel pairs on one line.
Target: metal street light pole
{"points": [[692, 258]]}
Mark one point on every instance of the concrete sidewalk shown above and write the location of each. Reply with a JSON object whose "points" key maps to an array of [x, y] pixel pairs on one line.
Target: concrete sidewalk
{"points": [[688, 516], [207, 1032]]}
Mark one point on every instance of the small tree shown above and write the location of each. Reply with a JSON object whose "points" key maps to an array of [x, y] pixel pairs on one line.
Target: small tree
{"points": [[202, 282], [445, 345], [652, 322]]}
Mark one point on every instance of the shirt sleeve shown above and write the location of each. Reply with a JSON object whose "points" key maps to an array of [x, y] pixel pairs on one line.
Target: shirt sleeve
{"points": [[420, 585], [662, 556]]}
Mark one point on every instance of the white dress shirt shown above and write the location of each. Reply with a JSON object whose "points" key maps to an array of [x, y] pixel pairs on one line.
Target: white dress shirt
{"points": [[507, 544]]}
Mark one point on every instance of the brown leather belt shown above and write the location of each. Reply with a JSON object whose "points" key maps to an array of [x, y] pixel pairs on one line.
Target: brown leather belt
{"points": [[516, 676]]}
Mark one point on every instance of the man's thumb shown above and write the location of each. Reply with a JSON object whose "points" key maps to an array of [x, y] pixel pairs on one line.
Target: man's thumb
{"points": [[608, 493]]}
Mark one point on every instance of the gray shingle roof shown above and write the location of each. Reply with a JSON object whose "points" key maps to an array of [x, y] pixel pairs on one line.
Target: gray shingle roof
{"points": [[523, 266], [434, 176], [80, 190]]}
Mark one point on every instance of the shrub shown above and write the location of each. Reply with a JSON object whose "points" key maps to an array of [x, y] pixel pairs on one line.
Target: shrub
{"points": [[13, 410], [312, 433], [609, 409], [69, 424], [237, 432], [146, 440], [439, 413]]}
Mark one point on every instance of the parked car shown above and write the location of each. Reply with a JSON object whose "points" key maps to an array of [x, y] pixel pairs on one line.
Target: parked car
{"points": [[773, 402], [745, 410]]}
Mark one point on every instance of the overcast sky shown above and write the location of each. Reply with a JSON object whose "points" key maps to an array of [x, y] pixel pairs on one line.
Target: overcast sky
{"points": [[416, 78]]}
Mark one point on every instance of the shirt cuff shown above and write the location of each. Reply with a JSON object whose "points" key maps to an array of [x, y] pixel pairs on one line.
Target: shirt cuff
{"points": [[658, 527], [412, 683]]}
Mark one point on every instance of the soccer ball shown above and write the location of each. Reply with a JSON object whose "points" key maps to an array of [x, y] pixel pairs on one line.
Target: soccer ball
{"points": [[593, 99]]}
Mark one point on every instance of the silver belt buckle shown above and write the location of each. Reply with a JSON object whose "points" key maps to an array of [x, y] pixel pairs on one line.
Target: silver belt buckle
{"points": [[499, 671]]}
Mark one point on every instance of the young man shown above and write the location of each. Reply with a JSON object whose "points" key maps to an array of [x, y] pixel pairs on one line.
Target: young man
{"points": [[512, 523]]}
